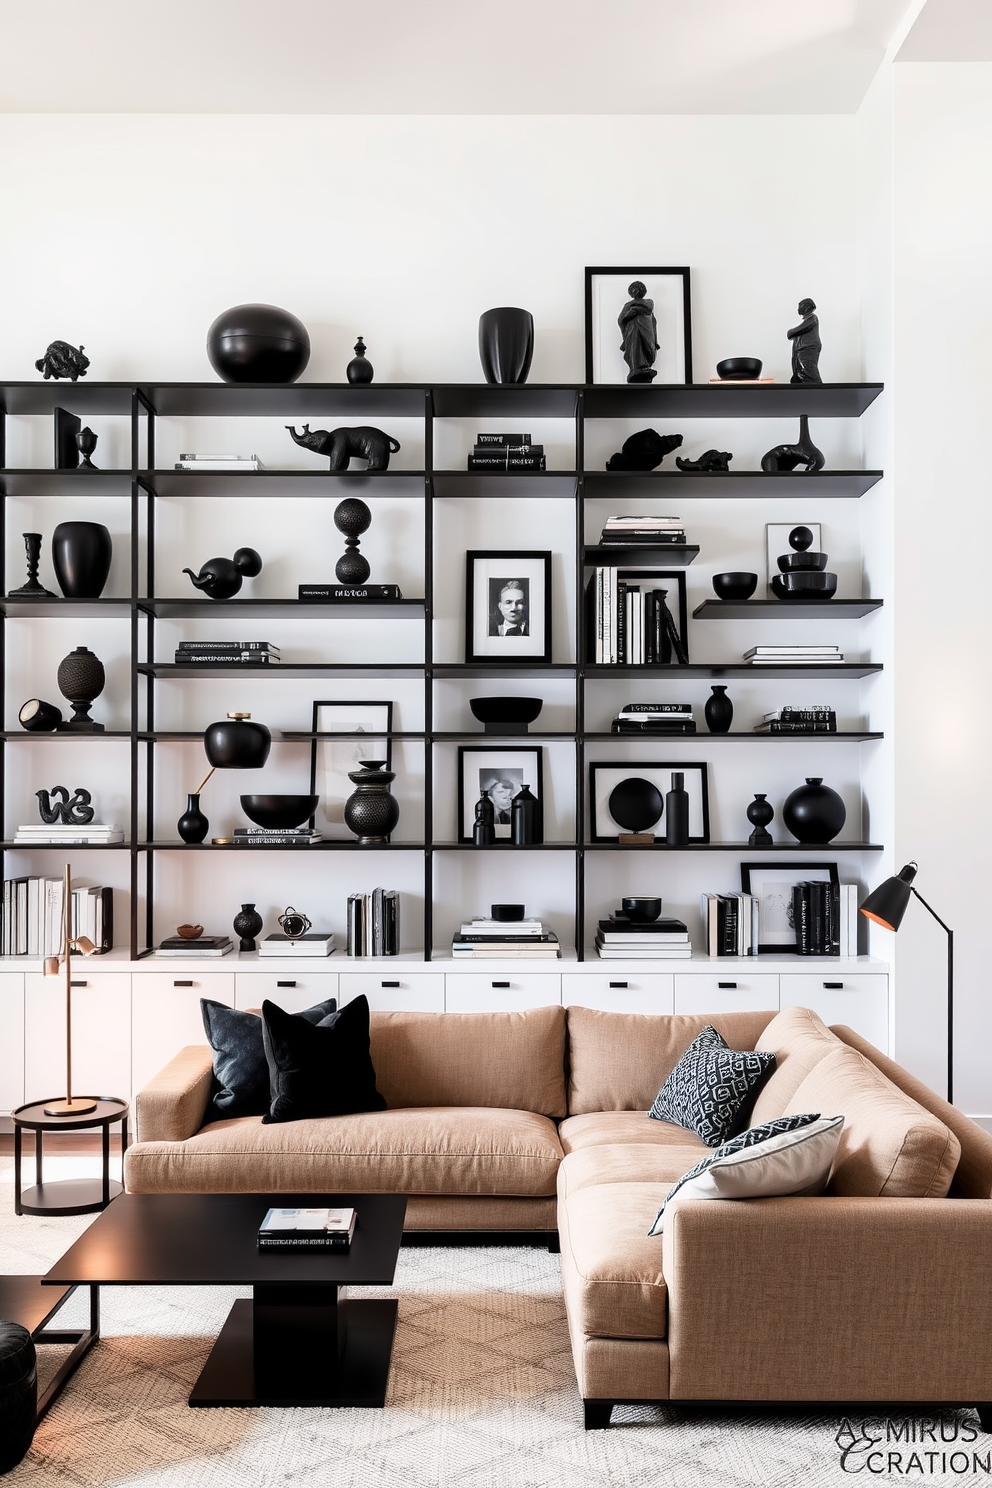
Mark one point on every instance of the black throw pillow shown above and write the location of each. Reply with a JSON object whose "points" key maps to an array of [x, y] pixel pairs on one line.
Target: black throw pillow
{"points": [[712, 1089], [241, 1073], [322, 1070]]}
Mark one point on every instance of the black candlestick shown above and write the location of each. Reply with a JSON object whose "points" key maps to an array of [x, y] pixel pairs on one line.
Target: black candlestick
{"points": [[32, 589]]}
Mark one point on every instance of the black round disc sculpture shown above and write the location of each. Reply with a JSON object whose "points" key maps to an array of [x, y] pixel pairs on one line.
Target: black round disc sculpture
{"points": [[636, 804], [258, 343], [352, 517]]}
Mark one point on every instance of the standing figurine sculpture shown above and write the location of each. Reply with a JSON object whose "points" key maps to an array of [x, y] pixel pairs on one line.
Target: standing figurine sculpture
{"points": [[805, 338], [639, 330]]}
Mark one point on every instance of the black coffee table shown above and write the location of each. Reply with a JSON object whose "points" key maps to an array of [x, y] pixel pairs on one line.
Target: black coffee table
{"points": [[295, 1342]]}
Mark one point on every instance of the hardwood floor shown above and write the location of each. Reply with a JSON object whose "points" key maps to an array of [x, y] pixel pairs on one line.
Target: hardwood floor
{"points": [[59, 1142]]}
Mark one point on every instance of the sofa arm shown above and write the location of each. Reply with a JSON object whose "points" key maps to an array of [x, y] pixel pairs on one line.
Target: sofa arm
{"points": [[830, 1299], [171, 1107]]}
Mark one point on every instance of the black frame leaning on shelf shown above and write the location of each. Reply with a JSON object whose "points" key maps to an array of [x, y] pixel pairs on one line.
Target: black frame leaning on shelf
{"points": [[527, 569], [495, 752], [351, 724], [672, 312], [603, 828], [784, 876]]}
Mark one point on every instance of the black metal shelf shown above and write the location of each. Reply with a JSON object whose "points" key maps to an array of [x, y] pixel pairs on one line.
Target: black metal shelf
{"points": [[326, 846], [785, 609], [64, 609], [65, 847], [703, 736], [731, 400], [65, 482], [739, 485], [736, 847], [506, 846], [67, 736], [672, 555], [285, 400], [78, 397], [504, 400], [263, 483], [514, 670], [280, 609], [791, 672], [474, 484], [474, 737], [285, 669]]}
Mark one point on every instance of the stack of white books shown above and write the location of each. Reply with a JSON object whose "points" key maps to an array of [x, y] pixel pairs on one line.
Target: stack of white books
{"points": [[484, 938], [239, 463], [793, 655], [93, 834], [314, 943]]}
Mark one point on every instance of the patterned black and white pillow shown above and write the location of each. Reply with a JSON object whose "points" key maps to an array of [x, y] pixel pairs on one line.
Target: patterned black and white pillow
{"points": [[712, 1088]]}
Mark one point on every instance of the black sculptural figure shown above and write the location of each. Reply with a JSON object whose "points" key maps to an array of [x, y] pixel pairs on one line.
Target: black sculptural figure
{"points": [[639, 330], [221, 578], [711, 459], [55, 806], [805, 338], [363, 442], [352, 517], [644, 450], [789, 456], [63, 360]]}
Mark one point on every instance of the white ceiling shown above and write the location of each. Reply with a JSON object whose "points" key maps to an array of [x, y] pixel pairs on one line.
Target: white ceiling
{"points": [[444, 56], [950, 31]]}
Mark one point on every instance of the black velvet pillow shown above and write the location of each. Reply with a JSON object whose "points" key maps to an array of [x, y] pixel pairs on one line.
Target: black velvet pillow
{"points": [[319, 1071], [241, 1073]]}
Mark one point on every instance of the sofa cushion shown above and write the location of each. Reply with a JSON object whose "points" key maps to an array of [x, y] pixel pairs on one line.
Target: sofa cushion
{"points": [[619, 1061], [799, 1040], [790, 1156], [630, 1162], [514, 1060], [608, 1128], [712, 1088], [611, 1270], [890, 1145], [321, 1069], [241, 1073]]}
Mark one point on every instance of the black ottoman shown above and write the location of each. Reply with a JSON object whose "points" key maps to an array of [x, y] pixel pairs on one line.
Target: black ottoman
{"points": [[18, 1394]]}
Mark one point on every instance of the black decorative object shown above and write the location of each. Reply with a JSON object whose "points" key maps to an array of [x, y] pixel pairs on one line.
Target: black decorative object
{"points": [[18, 1393], [39, 717], [56, 806], [801, 540], [81, 679], [719, 710], [606, 775], [370, 811], [67, 426], [237, 743], [506, 914], [526, 827], [63, 360], [802, 577], [294, 925], [247, 924], [641, 910], [739, 369], [506, 343], [506, 715], [352, 517], [712, 460], [193, 826], [734, 586], [86, 444], [32, 589], [655, 337], [759, 814], [636, 804], [644, 450], [221, 578], [805, 338], [499, 771], [362, 442], [677, 812], [279, 813], [639, 334], [258, 343], [81, 553], [813, 812], [789, 456], [484, 827], [359, 369]]}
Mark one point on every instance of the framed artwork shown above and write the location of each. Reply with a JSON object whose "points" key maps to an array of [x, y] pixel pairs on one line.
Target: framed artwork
{"points": [[777, 543], [365, 727], [605, 776], [638, 327], [508, 606], [501, 770], [772, 885]]}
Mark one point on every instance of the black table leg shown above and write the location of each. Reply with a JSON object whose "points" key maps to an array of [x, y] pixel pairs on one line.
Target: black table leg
{"points": [[38, 1156], [106, 1164]]}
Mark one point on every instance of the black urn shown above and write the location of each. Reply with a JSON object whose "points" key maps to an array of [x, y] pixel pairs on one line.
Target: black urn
{"points": [[813, 812], [759, 814], [359, 370], [236, 743], [247, 924], [719, 710], [81, 553], [370, 811], [506, 343], [258, 343], [81, 678]]}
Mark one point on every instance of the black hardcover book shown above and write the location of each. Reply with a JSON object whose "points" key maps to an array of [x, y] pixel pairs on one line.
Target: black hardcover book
{"points": [[801, 917], [506, 462], [107, 937], [642, 540], [623, 640], [774, 726], [818, 918], [833, 919], [338, 593], [726, 925], [657, 708], [197, 943], [675, 929], [501, 440], [662, 726], [482, 450], [193, 646]]}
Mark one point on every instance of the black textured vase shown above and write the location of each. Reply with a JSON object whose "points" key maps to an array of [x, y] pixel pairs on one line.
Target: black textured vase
{"points": [[506, 343], [677, 812], [370, 811], [719, 710], [525, 818], [813, 812], [18, 1394], [247, 925], [192, 826], [81, 553], [759, 814], [258, 343], [236, 743], [81, 678]]}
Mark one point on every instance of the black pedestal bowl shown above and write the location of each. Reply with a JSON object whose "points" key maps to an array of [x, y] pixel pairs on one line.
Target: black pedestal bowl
{"points": [[279, 813]]}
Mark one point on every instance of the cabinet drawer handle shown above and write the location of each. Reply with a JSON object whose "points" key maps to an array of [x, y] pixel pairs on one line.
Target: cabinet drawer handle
{"points": [[728, 986], [504, 985], [834, 986], [79, 984], [182, 984], [618, 984], [285, 984], [389, 984]]}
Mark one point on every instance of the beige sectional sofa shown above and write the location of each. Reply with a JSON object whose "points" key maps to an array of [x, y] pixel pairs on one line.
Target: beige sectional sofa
{"points": [[536, 1121]]}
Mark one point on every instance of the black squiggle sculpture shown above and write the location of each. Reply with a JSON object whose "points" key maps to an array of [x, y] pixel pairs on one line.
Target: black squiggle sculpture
{"points": [[75, 812]]}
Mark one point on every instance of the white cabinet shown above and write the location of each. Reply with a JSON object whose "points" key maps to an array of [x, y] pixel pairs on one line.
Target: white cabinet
{"points": [[11, 1040], [619, 991], [101, 1033], [395, 991], [167, 1014], [292, 990], [500, 991], [858, 999], [729, 991]]}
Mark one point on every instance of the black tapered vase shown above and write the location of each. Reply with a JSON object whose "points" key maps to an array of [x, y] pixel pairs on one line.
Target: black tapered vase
{"points": [[719, 710], [526, 825], [506, 343], [81, 553], [192, 826], [677, 812]]}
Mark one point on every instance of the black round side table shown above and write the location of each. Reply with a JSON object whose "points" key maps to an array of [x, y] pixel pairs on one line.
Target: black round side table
{"points": [[68, 1195]]}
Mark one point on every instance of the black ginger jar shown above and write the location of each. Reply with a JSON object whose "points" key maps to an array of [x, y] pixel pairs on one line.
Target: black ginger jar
{"points": [[813, 812], [236, 743], [370, 811], [81, 553], [258, 343]]}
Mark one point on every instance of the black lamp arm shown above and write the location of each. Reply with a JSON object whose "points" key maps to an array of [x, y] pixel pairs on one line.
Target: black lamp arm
{"points": [[931, 910], [950, 992]]}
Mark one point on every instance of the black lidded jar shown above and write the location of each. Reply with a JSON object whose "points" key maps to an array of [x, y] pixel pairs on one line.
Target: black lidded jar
{"points": [[236, 743]]}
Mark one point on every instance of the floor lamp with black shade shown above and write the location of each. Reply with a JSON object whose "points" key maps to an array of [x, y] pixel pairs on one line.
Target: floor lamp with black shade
{"points": [[886, 905]]}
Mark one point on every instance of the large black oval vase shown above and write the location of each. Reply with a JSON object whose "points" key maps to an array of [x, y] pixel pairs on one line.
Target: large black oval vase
{"points": [[506, 343], [81, 553]]}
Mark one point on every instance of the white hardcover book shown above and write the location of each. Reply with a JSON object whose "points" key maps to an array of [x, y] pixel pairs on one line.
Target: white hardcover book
{"points": [[35, 918], [598, 618], [852, 919]]}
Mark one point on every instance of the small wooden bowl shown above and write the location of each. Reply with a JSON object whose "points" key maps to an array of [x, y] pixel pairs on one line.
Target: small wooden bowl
{"points": [[189, 932]]}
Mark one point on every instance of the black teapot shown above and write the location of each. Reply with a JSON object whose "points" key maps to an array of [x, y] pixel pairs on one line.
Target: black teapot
{"points": [[221, 578]]}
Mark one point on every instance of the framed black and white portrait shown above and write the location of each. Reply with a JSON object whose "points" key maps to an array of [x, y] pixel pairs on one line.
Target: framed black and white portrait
{"points": [[502, 771], [364, 728], [772, 885], [638, 327], [508, 606], [606, 775]]}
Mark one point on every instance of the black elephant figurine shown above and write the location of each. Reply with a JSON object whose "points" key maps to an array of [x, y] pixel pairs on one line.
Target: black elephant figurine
{"points": [[63, 360], [711, 459], [221, 578], [644, 450], [55, 806], [364, 442]]}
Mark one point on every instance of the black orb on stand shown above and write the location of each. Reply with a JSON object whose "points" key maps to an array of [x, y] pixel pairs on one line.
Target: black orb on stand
{"points": [[352, 517], [81, 678]]}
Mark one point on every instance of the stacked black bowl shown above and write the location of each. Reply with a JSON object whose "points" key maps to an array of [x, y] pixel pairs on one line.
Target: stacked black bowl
{"points": [[802, 576]]}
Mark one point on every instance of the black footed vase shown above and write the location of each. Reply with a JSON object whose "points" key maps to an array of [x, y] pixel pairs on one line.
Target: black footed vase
{"points": [[759, 814], [81, 553], [506, 343], [370, 811]]}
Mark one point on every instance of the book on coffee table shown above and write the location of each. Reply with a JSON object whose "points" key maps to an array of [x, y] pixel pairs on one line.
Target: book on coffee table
{"points": [[306, 1229]]}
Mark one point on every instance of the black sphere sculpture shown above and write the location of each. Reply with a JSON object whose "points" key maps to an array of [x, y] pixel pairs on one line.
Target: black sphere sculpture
{"points": [[352, 517], [221, 578], [258, 343], [806, 346]]}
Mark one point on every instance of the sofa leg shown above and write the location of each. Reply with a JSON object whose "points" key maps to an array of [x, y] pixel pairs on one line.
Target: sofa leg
{"points": [[597, 1414], [985, 1416], [554, 1244]]}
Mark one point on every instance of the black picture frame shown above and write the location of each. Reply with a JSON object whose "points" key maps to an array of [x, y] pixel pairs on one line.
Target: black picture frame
{"points": [[491, 572], [669, 288], [512, 760], [605, 775], [775, 931], [379, 714]]}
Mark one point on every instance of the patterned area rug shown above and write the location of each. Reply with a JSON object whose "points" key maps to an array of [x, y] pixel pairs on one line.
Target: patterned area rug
{"points": [[482, 1395]]}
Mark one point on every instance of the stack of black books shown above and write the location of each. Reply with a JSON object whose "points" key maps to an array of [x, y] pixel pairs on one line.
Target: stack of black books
{"points": [[506, 452], [814, 719], [647, 532], [484, 938], [654, 718], [619, 938], [374, 923], [242, 653], [200, 945], [816, 914]]}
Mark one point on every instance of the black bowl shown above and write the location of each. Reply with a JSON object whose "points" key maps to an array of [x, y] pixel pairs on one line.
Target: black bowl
{"points": [[506, 913], [802, 562], [806, 584], [279, 812], [641, 911], [737, 369], [734, 585], [506, 709]]}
